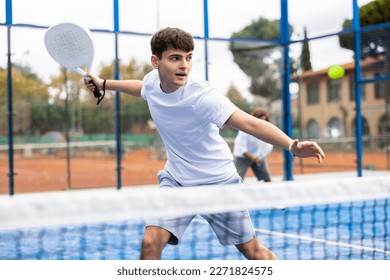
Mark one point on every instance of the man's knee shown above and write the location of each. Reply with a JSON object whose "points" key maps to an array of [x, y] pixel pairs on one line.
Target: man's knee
{"points": [[153, 242], [253, 250]]}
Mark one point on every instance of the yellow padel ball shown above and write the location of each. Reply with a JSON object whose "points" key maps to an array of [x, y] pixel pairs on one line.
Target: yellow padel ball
{"points": [[336, 72]]}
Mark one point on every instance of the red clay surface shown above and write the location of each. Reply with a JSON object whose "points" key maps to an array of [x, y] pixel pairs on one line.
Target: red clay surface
{"points": [[139, 167]]}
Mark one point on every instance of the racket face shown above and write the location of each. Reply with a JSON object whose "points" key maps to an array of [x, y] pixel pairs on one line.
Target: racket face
{"points": [[70, 45]]}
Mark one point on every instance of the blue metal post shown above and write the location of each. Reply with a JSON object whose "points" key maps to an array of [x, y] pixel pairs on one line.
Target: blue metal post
{"points": [[8, 8], [206, 36], [118, 152], [285, 79], [358, 91], [8, 12]]}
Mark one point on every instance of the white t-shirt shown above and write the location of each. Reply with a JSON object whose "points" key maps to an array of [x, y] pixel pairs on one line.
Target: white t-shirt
{"points": [[245, 142], [188, 121]]}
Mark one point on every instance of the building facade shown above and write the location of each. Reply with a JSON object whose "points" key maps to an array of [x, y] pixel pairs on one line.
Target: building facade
{"points": [[326, 107]]}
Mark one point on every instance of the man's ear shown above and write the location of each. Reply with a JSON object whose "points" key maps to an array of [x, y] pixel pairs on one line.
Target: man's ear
{"points": [[154, 61]]}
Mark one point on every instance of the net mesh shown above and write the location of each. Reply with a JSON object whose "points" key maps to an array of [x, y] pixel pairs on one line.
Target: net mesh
{"points": [[321, 218]]}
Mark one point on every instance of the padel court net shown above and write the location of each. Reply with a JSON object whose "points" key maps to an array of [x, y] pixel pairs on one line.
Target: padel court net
{"points": [[316, 219]]}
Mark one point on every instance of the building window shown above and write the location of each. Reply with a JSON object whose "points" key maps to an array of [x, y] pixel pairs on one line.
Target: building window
{"points": [[352, 94], [334, 128], [384, 125], [384, 131], [312, 129], [365, 126], [334, 91], [312, 93]]}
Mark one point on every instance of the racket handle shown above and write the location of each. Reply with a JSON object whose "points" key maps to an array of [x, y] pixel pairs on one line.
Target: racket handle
{"points": [[96, 91]]}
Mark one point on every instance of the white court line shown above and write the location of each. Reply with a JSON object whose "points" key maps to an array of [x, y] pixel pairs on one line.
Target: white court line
{"points": [[328, 242], [307, 238]]}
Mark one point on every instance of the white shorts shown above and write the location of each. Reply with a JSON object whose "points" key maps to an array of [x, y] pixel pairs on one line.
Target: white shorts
{"points": [[232, 228]]}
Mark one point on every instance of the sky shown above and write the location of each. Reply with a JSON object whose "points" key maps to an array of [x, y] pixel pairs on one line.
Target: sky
{"points": [[147, 16]]}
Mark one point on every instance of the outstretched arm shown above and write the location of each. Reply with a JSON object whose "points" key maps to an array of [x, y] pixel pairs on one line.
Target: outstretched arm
{"points": [[269, 133], [132, 87]]}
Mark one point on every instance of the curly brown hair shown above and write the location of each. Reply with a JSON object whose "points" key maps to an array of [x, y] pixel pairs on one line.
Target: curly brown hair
{"points": [[259, 113], [171, 38]]}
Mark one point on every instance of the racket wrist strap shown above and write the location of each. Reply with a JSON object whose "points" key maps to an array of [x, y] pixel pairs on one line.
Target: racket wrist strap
{"points": [[104, 85], [100, 98]]}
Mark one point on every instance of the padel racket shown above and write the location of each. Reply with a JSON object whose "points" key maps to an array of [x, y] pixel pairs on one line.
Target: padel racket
{"points": [[71, 46]]}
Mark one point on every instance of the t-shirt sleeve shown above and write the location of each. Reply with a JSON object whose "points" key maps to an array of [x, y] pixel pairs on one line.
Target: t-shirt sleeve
{"points": [[147, 84], [215, 107]]}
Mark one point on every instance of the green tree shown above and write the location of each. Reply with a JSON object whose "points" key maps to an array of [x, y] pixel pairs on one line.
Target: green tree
{"points": [[375, 42], [305, 62], [68, 90], [23, 86], [257, 60], [47, 117], [27, 89], [235, 96]]}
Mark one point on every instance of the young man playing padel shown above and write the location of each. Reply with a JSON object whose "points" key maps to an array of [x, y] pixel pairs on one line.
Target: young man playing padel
{"points": [[188, 115]]}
